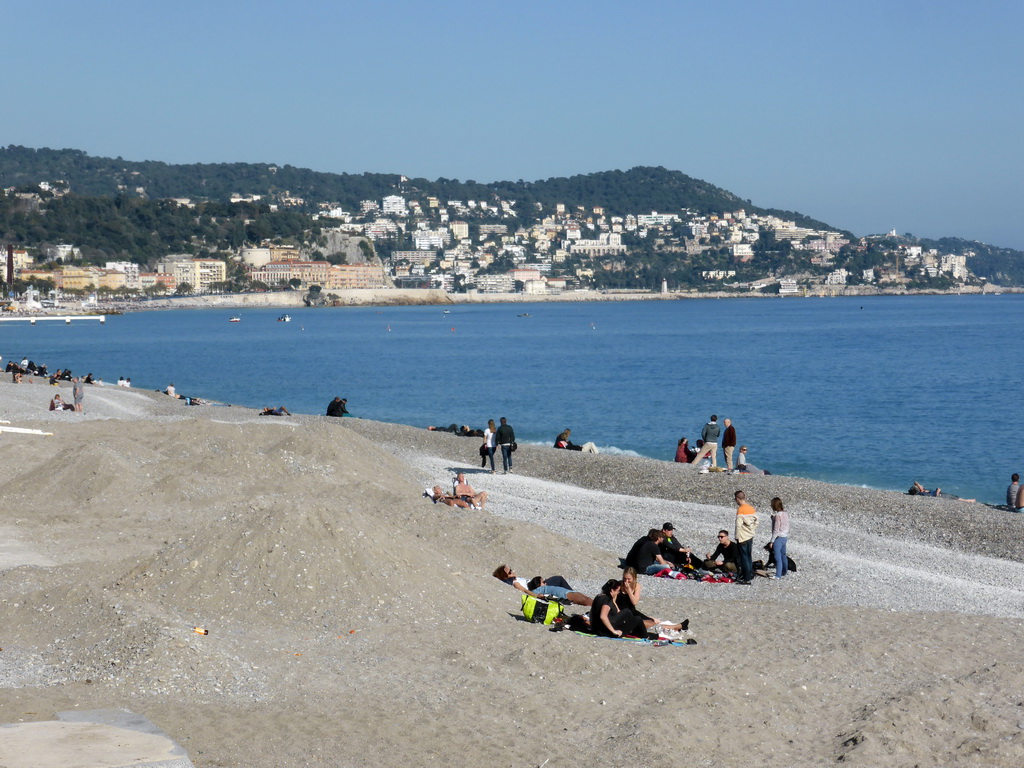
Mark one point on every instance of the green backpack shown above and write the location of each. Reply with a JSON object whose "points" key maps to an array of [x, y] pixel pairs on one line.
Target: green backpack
{"points": [[541, 611]]}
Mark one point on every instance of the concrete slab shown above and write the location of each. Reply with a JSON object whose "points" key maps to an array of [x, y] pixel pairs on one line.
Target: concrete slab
{"points": [[102, 738], [14, 553]]}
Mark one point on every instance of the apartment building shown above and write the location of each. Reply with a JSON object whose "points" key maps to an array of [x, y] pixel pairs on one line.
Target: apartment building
{"points": [[201, 274]]}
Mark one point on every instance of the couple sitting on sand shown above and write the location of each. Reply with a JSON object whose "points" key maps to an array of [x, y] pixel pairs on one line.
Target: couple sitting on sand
{"points": [[462, 496], [659, 554], [613, 613]]}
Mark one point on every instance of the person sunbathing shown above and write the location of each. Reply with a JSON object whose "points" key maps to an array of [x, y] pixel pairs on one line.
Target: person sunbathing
{"points": [[464, 491], [552, 587], [279, 411], [919, 490], [438, 496]]}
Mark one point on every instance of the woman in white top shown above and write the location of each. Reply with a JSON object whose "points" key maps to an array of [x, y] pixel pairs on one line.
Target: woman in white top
{"points": [[489, 444]]}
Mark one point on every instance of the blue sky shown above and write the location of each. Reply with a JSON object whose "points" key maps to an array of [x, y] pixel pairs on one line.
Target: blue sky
{"points": [[868, 115]]}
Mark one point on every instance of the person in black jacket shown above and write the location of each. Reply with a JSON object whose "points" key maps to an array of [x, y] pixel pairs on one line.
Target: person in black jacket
{"points": [[506, 438], [337, 407]]}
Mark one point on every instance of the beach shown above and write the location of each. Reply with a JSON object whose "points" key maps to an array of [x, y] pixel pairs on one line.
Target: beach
{"points": [[350, 621]]}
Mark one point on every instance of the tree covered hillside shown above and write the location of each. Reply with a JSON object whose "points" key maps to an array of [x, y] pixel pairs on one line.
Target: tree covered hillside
{"points": [[638, 190]]}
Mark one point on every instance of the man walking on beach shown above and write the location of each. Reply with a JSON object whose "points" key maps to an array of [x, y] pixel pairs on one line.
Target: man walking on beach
{"points": [[729, 443], [709, 435], [78, 393], [505, 437], [746, 527]]}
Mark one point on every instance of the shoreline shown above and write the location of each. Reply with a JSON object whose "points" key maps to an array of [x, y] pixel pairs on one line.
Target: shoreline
{"points": [[384, 297]]}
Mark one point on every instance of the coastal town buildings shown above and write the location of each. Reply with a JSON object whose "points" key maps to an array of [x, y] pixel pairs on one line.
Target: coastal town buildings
{"points": [[494, 245]]}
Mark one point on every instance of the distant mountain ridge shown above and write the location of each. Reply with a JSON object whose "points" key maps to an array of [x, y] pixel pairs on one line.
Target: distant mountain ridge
{"points": [[639, 190]]}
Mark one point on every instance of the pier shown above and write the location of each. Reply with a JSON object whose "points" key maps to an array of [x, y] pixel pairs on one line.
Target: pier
{"points": [[65, 318]]}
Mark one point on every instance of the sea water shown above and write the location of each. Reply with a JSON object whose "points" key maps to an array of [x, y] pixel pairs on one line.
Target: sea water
{"points": [[877, 391]]}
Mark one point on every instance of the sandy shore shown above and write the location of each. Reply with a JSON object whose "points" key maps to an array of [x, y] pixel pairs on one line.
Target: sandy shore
{"points": [[352, 622]]}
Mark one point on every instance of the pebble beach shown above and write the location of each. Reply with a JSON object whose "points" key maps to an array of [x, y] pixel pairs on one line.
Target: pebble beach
{"points": [[352, 621]]}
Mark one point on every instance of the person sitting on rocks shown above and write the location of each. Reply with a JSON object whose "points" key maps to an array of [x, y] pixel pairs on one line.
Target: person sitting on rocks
{"points": [[682, 558], [645, 555], [464, 491], [338, 407], [552, 587], [725, 556], [58, 404], [563, 441]]}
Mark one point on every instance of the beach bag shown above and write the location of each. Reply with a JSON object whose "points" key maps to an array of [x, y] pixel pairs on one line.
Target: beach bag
{"points": [[541, 611], [514, 447]]}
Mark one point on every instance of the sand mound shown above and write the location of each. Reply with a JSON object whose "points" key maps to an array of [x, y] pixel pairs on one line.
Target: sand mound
{"points": [[351, 620]]}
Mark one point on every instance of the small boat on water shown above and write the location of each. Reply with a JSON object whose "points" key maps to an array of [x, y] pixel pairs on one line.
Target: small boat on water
{"points": [[235, 319], [525, 314], [284, 319], [447, 311]]}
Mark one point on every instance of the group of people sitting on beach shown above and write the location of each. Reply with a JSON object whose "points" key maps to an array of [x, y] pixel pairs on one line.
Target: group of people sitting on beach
{"points": [[28, 368], [686, 454], [659, 552], [613, 612]]}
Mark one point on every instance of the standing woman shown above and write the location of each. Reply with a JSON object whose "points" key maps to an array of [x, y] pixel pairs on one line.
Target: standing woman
{"points": [[780, 537], [489, 443]]}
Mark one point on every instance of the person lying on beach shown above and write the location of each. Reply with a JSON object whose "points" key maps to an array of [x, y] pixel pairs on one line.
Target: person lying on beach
{"points": [[279, 411], [629, 597], [919, 490], [464, 491], [563, 441], [553, 586], [438, 496]]}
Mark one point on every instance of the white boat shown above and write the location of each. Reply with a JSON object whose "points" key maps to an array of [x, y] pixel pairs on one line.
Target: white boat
{"points": [[235, 319], [284, 319]]}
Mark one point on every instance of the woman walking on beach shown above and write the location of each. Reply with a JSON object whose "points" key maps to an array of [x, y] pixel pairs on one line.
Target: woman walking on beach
{"points": [[780, 537], [489, 444]]}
